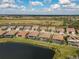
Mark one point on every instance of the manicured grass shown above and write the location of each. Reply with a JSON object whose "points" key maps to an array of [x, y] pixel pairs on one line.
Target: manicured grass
{"points": [[62, 51]]}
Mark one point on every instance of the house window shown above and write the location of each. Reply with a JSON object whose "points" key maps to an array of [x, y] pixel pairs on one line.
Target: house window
{"points": [[70, 32], [9, 36], [19, 35], [34, 29]]}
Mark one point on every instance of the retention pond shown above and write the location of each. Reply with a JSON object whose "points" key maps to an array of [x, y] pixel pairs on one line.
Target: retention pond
{"points": [[24, 51]]}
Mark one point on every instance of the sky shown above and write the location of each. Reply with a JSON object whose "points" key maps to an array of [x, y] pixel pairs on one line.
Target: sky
{"points": [[40, 7]]}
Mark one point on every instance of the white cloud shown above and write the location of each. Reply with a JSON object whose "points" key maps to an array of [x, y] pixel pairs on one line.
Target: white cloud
{"points": [[11, 4], [68, 4], [36, 3], [51, 8], [71, 6], [55, 6], [74, 5], [8, 6], [46, 10], [23, 8], [64, 1]]}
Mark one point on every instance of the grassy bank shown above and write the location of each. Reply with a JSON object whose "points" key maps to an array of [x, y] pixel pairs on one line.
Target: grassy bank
{"points": [[62, 51]]}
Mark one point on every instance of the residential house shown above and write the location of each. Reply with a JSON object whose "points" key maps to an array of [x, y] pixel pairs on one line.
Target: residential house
{"points": [[43, 28], [2, 33], [58, 38], [51, 29], [27, 28], [35, 27], [73, 40], [44, 36], [10, 34], [22, 34], [78, 31], [4, 27], [70, 31], [60, 30], [11, 28], [19, 28], [33, 35]]}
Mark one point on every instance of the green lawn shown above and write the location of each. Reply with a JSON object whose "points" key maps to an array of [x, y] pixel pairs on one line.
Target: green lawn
{"points": [[62, 51]]}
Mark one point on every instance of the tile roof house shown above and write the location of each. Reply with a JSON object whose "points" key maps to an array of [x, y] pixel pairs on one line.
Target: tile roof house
{"points": [[4, 27], [19, 28], [58, 38], [22, 34], [73, 40], [51, 29], [44, 36], [33, 35], [10, 34], [78, 31], [70, 31], [43, 29], [60, 30], [2, 33], [11, 28], [27, 28]]}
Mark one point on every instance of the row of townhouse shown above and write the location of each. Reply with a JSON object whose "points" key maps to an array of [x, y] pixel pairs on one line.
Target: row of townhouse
{"points": [[67, 31], [41, 33], [73, 40], [35, 35]]}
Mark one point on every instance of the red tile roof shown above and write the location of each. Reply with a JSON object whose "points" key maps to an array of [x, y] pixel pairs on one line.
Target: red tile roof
{"points": [[58, 37], [33, 33], [23, 33], [2, 32], [45, 35], [70, 29], [11, 32]]}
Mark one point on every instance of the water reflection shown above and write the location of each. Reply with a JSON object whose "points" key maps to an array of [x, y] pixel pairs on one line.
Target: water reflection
{"points": [[23, 51]]}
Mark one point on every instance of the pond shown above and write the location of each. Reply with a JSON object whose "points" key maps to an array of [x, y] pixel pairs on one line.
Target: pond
{"points": [[24, 51]]}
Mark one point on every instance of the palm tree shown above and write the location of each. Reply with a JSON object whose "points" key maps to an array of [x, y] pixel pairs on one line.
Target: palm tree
{"points": [[66, 39], [48, 24]]}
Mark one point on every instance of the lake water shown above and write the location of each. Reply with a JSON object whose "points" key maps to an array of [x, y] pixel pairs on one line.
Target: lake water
{"points": [[24, 51]]}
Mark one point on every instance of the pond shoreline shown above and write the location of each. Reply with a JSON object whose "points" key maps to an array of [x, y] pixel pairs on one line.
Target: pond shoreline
{"points": [[62, 51], [11, 50]]}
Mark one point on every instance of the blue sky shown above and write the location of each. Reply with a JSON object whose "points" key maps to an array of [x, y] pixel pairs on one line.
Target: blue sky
{"points": [[40, 7]]}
